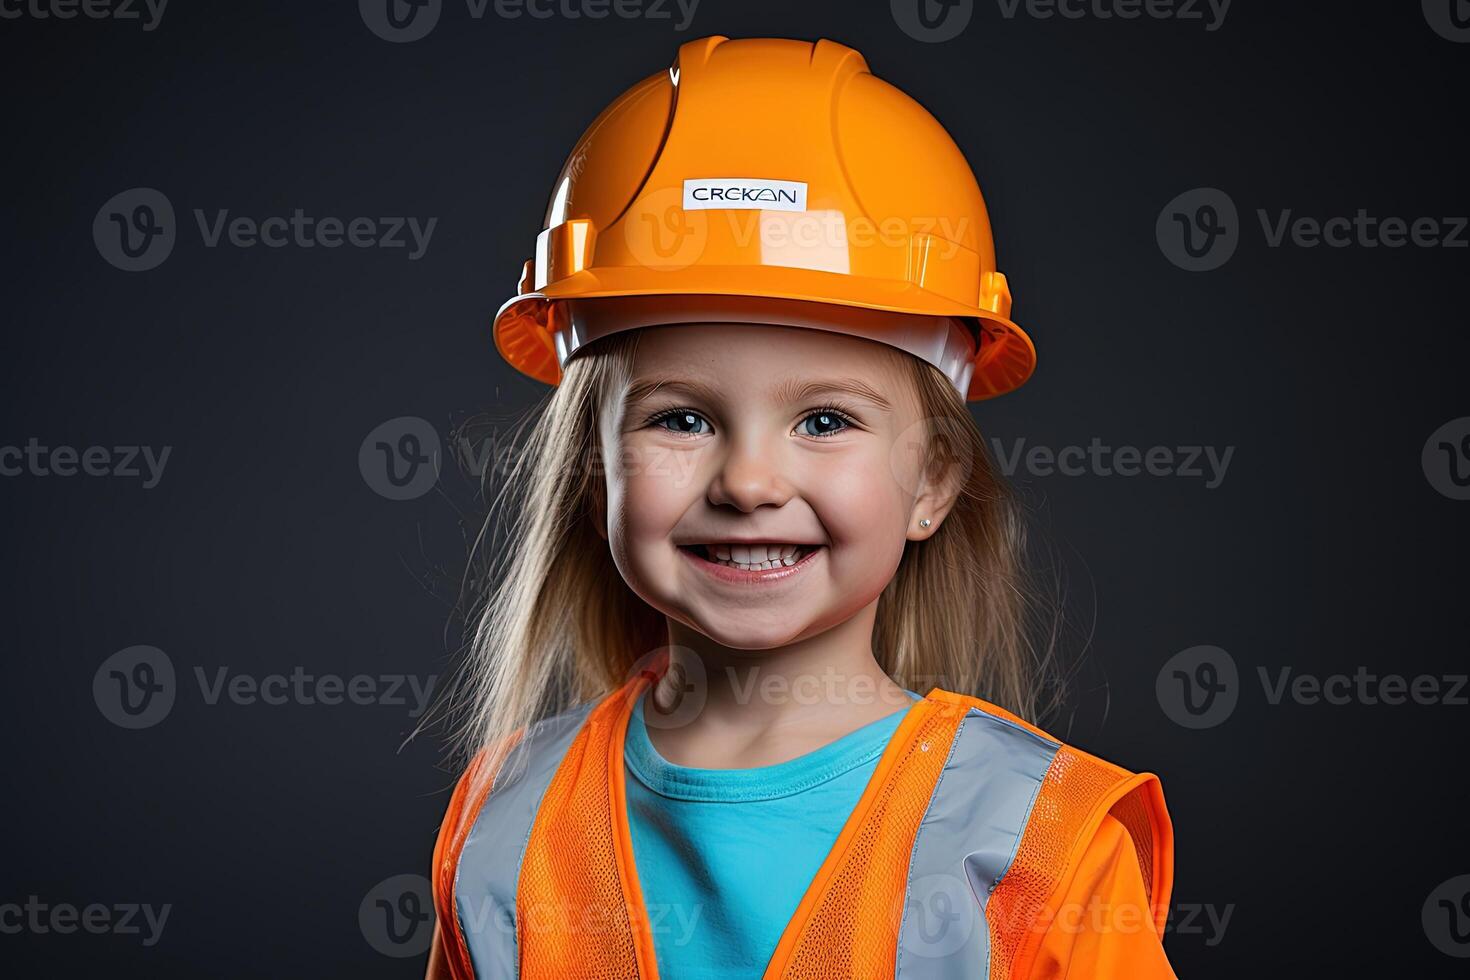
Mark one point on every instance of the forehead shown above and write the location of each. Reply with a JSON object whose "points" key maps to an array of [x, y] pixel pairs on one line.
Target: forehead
{"points": [[734, 352]]}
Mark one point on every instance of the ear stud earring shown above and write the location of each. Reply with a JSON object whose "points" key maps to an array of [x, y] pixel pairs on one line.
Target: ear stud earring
{"points": [[924, 522]]}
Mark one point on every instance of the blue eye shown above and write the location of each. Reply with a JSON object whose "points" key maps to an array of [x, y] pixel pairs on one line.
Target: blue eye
{"points": [[824, 423], [683, 422]]}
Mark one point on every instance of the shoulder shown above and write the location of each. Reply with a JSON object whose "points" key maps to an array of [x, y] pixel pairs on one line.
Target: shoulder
{"points": [[1080, 808], [540, 744], [501, 783], [1067, 763], [529, 753]]}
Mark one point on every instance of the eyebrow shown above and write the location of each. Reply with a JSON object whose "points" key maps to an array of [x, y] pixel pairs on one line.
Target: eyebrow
{"points": [[794, 390], [642, 388]]}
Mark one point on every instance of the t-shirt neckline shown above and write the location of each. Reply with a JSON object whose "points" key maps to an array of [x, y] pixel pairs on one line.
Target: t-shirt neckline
{"points": [[860, 746]]}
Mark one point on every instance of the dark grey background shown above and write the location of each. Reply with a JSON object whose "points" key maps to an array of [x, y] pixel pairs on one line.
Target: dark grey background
{"points": [[1320, 829]]}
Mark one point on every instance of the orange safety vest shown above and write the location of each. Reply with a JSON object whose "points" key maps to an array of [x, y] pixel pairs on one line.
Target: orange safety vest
{"points": [[973, 820]]}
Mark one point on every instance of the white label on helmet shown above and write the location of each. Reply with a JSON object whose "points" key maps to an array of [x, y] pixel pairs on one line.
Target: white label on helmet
{"points": [[744, 192]]}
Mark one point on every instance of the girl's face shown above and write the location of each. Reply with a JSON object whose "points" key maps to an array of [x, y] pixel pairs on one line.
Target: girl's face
{"points": [[762, 480]]}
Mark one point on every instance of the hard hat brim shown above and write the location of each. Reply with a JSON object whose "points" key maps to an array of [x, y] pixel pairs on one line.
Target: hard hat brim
{"points": [[523, 327]]}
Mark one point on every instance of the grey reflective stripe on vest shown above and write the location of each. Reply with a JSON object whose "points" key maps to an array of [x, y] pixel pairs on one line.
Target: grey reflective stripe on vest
{"points": [[964, 845], [490, 864]]}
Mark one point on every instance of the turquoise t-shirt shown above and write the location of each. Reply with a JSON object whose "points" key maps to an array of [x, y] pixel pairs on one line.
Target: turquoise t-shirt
{"points": [[724, 856]]}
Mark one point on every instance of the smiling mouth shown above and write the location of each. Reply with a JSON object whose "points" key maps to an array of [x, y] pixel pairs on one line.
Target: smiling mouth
{"points": [[752, 557]]}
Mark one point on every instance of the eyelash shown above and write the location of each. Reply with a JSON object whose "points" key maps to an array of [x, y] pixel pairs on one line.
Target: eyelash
{"points": [[840, 412]]}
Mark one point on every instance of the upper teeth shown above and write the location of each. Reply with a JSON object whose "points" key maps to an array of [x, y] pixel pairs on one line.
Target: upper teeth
{"points": [[753, 556]]}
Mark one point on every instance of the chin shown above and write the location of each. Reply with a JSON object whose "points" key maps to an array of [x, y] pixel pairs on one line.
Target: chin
{"points": [[739, 633]]}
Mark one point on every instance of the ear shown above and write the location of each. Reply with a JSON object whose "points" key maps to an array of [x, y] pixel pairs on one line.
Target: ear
{"points": [[938, 490]]}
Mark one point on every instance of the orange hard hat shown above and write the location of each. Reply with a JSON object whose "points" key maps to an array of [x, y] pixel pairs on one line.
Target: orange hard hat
{"points": [[769, 180]]}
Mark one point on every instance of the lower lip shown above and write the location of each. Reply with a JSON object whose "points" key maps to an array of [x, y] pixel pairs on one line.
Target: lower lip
{"points": [[739, 576]]}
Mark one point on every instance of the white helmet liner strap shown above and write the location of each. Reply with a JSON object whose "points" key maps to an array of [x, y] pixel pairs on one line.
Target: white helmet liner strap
{"points": [[946, 342]]}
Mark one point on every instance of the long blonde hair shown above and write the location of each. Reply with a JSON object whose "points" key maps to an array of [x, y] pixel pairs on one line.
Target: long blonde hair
{"points": [[557, 625]]}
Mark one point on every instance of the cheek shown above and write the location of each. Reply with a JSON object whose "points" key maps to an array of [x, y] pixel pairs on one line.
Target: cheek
{"points": [[649, 488], [862, 506]]}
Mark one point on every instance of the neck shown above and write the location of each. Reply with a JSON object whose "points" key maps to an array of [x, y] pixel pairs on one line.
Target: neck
{"points": [[758, 707]]}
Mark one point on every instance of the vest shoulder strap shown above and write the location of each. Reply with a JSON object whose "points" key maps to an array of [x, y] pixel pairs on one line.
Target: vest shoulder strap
{"points": [[1077, 791], [504, 787], [465, 803]]}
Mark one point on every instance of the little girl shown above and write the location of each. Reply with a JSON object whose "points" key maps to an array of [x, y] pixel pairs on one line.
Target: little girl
{"points": [[724, 700]]}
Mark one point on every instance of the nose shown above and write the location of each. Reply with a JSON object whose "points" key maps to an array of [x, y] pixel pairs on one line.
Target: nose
{"points": [[749, 477]]}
